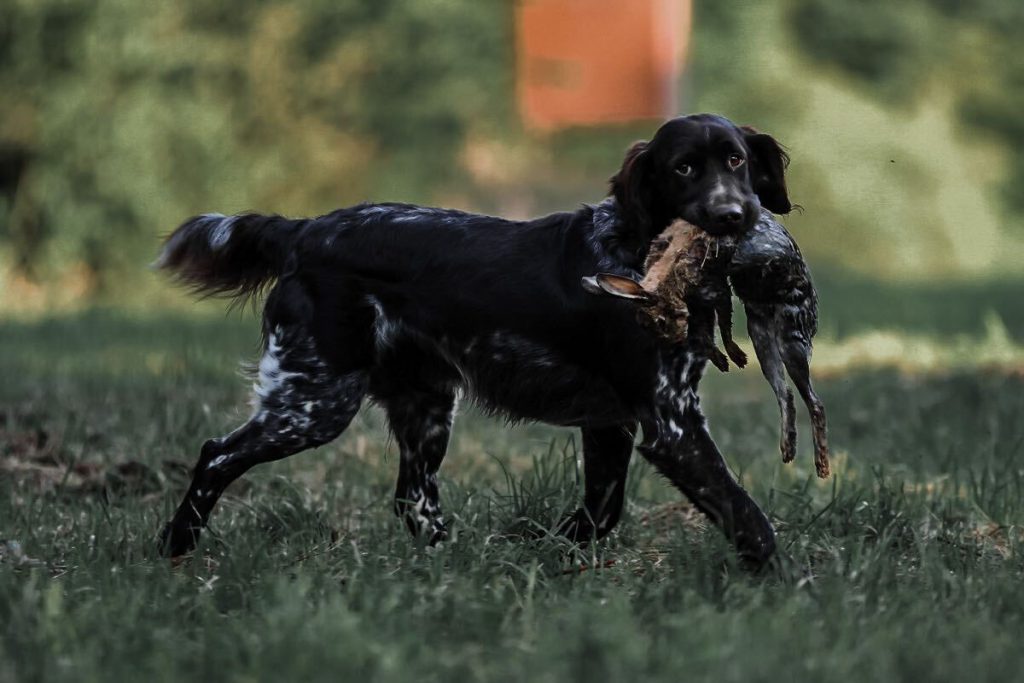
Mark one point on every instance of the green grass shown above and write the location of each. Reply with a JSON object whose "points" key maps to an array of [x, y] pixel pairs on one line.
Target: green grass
{"points": [[852, 303], [907, 564]]}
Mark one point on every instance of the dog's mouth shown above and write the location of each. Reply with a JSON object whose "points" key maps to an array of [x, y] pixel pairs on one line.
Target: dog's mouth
{"points": [[719, 221], [718, 230]]}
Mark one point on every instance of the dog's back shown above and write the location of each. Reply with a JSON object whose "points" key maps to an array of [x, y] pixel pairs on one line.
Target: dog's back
{"points": [[492, 305]]}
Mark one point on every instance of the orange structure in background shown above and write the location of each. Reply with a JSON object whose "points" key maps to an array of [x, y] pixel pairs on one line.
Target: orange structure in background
{"points": [[583, 62]]}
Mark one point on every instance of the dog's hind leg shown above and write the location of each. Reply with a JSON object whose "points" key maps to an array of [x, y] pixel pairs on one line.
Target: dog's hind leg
{"points": [[300, 403], [421, 422], [606, 455]]}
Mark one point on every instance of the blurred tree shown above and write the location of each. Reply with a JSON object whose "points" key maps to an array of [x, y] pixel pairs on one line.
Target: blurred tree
{"points": [[897, 48], [118, 118]]}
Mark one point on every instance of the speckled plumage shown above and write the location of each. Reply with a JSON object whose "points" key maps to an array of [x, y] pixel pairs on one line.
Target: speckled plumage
{"points": [[685, 288], [770, 276]]}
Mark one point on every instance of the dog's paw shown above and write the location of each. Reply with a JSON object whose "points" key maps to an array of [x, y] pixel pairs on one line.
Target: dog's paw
{"points": [[175, 541], [577, 527]]}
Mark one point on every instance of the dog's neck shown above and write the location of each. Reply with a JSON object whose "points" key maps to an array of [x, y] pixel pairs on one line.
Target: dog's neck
{"points": [[624, 237]]}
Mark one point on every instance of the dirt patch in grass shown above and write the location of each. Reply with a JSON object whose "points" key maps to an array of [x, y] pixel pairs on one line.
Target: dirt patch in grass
{"points": [[32, 461]]}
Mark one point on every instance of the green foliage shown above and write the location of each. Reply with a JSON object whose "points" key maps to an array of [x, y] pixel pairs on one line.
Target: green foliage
{"points": [[897, 49], [132, 116], [880, 42]]}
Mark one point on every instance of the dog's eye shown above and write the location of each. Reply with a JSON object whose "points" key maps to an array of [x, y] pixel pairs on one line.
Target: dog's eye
{"points": [[685, 170], [735, 161]]}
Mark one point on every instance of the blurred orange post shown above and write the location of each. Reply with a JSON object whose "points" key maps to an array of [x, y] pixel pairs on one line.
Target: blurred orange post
{"points": [[585, 62]]}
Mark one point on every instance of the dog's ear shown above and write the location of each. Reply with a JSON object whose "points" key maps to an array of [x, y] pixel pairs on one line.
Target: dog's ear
{"points": [[616, 285], [631, 185], [768, 170]]}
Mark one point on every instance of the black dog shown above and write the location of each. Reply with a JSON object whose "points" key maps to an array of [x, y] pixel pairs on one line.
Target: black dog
{"points": [[409, 305]]}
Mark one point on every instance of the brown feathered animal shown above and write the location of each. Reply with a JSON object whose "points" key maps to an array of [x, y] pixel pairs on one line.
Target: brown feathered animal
{"points": [[684, 290]]}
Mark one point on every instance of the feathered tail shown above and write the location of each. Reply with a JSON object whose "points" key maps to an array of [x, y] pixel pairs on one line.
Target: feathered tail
{"points": [[235, 256]]}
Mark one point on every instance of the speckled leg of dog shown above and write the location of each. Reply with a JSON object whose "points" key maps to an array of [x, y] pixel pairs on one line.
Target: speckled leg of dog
{"points": [[300, 404], [422, 423], [606, 455], [681, 448]]}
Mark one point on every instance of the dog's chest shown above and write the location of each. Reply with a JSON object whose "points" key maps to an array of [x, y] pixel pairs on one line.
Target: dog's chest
{"points": [[520, 376]]}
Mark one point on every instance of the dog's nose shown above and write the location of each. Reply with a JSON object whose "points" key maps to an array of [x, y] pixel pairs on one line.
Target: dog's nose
{"points": [[729, 214]]}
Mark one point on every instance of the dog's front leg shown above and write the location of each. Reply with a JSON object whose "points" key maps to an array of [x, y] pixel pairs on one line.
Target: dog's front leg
{"points": [[687, 455], [606, 454]]}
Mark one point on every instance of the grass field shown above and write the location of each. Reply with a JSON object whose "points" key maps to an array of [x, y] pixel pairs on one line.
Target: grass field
{"points": [[907, 564]]}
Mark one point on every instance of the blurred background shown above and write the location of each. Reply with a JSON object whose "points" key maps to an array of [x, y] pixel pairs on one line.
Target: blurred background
{"points": [[120, 118]]}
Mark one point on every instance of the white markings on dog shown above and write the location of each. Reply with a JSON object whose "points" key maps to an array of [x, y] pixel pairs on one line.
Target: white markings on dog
{"points": [[216, 462], [221, 232], [675, 393], [436, 430], [385, 329], [425, 513], [420, 507], [271, 376], [217, 237], [410, 216], [165, 255], [719, 193]]}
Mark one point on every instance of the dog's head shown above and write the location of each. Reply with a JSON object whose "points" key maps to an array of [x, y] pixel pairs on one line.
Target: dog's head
{"points": [[705, 170]]}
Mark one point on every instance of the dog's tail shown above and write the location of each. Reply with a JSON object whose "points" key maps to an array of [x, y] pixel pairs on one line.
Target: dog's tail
{"points": [[235, 256]]}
